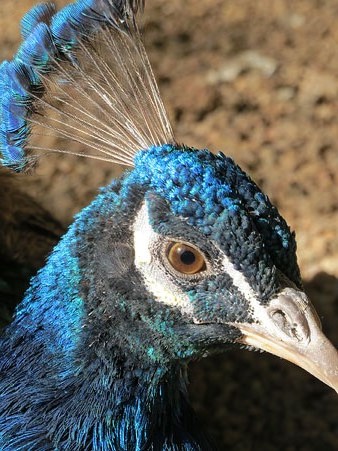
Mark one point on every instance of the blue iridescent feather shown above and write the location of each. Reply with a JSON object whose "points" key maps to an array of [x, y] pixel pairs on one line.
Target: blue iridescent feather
{"points": [[41, 13], [38, 50]]}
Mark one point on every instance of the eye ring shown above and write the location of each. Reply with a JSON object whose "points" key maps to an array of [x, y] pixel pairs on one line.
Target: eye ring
{"points": [[185, 259]]}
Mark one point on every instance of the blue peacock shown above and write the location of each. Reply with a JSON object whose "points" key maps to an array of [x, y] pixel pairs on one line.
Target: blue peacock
{"points": [[180, 258]]}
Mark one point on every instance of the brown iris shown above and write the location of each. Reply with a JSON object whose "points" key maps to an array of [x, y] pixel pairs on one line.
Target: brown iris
{"points": [[185, 259]]}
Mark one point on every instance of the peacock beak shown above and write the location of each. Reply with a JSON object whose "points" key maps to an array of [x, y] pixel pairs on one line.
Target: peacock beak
{"points": [[289, 327]]}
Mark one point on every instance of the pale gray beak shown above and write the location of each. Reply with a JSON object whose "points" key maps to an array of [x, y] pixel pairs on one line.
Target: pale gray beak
{"points": [[289, 327]]}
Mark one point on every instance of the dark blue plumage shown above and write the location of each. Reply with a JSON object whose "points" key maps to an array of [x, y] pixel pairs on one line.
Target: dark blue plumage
{"points": [[180, 258]]}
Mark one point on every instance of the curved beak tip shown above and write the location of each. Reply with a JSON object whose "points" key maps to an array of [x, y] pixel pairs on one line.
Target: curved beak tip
{"points": [[294, 334]]}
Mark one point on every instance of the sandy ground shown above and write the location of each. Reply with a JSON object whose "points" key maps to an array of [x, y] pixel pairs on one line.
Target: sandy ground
{"points": [[259, 81]]}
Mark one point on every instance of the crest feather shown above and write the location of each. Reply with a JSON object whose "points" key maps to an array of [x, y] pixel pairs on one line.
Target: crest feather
{"points": [[81, 75]]}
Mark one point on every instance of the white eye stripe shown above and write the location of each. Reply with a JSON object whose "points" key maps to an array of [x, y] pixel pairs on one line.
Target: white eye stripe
{"points": [[143, 235], [244, 287], [239, 281], [155, 279]]}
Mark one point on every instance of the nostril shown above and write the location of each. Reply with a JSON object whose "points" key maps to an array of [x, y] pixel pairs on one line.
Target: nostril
{"points": [[279, 318], [295, 328], [291, 312]]}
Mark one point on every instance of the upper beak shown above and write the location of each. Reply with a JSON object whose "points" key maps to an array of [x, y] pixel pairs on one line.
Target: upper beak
{"points": [[290, 328]]}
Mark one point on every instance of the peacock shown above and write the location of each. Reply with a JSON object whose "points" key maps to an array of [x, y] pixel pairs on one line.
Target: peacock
{"points": [[180, 258]]}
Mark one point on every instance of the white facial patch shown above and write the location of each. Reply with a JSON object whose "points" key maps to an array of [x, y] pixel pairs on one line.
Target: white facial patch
{"points": [[239, 281], [148, 262], [259, 312]]}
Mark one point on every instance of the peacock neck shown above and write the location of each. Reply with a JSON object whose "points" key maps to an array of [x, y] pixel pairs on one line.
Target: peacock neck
{"points": [[152, 412]]}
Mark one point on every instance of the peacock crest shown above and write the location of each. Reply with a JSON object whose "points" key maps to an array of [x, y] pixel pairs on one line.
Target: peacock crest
{"points": [[83, 76]]}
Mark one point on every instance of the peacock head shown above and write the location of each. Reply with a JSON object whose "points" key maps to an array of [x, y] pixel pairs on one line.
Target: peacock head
{"points": [[184, 256], [179, 258]]}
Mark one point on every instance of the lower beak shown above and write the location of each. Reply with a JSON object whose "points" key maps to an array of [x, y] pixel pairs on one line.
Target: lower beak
{"points": [[290, 328]]}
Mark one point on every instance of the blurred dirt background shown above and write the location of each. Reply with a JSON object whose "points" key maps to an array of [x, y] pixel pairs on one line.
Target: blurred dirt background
{"points": [[259, 81]]}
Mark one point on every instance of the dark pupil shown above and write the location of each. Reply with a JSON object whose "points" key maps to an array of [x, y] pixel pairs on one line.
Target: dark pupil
{"points": [[187, 257]]}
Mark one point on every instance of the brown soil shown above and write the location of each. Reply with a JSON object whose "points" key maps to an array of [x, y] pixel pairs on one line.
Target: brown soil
{"points": [[259, 81]]}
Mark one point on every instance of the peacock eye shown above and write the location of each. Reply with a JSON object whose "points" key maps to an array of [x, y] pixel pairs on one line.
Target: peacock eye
{"points": [[185, 259]]}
